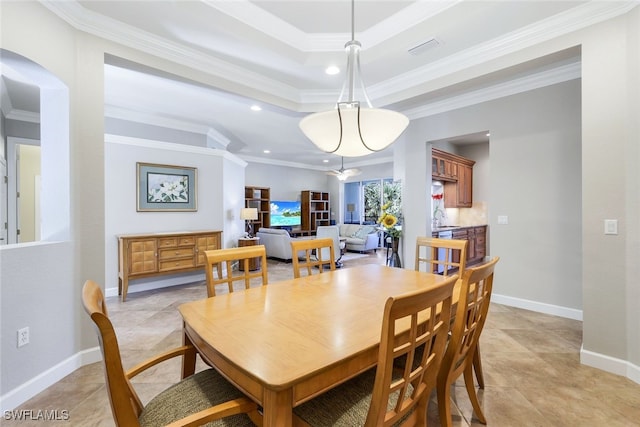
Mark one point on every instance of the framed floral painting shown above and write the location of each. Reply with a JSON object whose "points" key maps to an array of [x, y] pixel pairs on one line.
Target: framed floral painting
{"points": [[166, 188]]}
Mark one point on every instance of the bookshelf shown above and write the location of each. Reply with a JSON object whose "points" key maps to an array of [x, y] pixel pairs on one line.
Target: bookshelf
{"points": [[259, 198], [315, 210]]}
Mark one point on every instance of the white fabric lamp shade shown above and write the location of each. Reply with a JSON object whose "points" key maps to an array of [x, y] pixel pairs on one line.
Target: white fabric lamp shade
{"points": [[378, 127], [249, 214]]}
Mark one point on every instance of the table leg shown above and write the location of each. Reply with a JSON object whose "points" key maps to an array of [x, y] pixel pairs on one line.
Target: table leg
{"points": [[189, 359], [277, 408]]}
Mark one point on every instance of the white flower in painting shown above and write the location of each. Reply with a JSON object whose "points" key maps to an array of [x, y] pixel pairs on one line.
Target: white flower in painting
{"points": [[171, 191]]}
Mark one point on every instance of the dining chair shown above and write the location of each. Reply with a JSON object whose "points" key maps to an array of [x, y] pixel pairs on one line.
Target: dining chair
{"points": [[333, 232], [471, 312], [218, 258], [384, 395], [444, 256], [204, 397], [313, 255]]}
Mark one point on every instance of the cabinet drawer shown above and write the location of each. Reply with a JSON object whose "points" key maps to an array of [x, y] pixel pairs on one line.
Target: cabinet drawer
{"points": [[173, 253], [167, 242], [186, 240], [177, 264], [460, 235]]}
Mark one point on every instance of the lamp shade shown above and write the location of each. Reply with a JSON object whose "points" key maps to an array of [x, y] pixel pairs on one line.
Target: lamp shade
{"points": [[354, 132], [249, 213]]}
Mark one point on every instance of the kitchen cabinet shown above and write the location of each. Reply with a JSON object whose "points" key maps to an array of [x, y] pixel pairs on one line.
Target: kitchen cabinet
{"points": [[443, 168], [457, 174], [146, 255], [477, 246]]}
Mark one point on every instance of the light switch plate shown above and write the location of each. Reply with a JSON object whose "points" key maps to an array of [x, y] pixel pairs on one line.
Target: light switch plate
{"points": [[503, 219], [611, 226]]}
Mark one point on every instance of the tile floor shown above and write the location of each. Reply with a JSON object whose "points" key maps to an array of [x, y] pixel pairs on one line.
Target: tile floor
{"points": [[531, 363]]}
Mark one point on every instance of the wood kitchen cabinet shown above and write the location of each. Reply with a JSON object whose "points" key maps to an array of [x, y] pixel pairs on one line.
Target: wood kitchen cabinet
{"points": [[145, 255], [442, 167], [457, 174], [477, 246]]}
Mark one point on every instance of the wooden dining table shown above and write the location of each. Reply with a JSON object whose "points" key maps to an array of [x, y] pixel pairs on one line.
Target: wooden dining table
{"points": [[286, 342]]}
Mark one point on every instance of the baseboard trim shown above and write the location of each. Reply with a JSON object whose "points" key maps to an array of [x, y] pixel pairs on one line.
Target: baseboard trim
{"points": [[141, 286], [540, 307], [610, 364], [39, 383]]}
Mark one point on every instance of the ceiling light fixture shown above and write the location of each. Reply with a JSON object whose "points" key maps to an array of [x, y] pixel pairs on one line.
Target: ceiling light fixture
{"points": [[342, 174], [352, 130], [332, 70]]}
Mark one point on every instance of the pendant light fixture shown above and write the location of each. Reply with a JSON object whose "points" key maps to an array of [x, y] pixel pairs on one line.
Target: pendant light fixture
{"points": [[351, 129]]}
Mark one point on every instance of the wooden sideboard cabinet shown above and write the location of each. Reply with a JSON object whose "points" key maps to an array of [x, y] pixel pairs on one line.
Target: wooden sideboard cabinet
{"points": [[145, 255]]}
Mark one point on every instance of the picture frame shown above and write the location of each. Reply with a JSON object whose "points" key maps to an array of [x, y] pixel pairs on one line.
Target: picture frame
{"points": [[166, 188]]}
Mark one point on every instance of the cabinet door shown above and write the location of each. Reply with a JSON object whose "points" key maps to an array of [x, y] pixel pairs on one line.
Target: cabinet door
{"points": [[205, 243], [465, 186], [459, 235], [480, 242], [143, 256]]}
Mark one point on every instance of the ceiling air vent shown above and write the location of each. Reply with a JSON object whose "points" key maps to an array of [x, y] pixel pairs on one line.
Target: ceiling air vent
{"points": [[423, 47]]}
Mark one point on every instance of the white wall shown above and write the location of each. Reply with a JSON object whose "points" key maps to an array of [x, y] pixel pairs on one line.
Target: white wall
{"points": [[610, 155], [285, 182], [534, 178], [611, 184], [220, 195]]}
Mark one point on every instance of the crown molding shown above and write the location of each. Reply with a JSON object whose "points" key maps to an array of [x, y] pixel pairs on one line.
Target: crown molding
{"points": [[558, 25], [23, 116], [172, 146], [126, 35], [326, 168], [512, 87], [217, 138], [281, 30], [157, 120]]}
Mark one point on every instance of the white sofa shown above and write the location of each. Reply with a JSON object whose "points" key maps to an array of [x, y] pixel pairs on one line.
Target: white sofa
{"points": [[360, 238], [277, 242]]}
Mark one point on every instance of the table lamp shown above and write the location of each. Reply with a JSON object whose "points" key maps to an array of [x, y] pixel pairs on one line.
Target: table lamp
{"points": [[249, 214]]}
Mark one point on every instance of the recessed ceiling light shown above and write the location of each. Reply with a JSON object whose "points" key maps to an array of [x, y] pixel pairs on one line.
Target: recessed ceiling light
{"points": [[488, 134], [325, 161], [267, 151], [332, 70], [256, 108]]}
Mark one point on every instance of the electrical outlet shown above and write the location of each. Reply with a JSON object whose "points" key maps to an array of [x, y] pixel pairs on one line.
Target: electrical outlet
{"points": [[23, 336]]}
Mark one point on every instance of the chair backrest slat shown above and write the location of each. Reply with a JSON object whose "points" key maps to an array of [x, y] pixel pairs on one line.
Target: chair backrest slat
{"points": [[476, 286], [313, 255], [218, 257], [450, 254], [414, 334]]}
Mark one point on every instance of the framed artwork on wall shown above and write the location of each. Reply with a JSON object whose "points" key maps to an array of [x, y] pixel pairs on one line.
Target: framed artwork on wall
{"points": [[166, 188]]}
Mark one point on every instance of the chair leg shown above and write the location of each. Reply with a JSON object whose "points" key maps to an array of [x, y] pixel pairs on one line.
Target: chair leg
{"points": [[477, 367], [471, 391], [444, 403]]}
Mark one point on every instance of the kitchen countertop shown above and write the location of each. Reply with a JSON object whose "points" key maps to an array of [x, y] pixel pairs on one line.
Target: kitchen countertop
{"points": [[455, 227]]}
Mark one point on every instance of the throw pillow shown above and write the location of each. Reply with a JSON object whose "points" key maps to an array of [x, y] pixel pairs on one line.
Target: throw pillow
{"points": [[363, 232], [355, 233]]}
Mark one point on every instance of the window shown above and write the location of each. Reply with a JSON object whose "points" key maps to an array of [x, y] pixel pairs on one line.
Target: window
{"points": [[363, 200]]}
